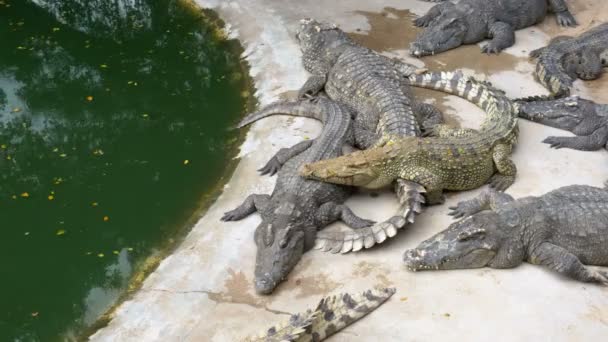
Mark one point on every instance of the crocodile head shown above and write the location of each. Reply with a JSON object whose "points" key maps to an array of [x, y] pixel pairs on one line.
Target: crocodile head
{"points": [[444, 33], [280, 244], [585, 64], [319, 40], [371, 168], [566, 112], [469, 243]]}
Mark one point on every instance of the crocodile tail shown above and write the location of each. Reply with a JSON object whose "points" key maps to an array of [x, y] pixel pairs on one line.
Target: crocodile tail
{"points": [[456, 83], [536, 98], [410, 196], [332, 314], [315, 108]]}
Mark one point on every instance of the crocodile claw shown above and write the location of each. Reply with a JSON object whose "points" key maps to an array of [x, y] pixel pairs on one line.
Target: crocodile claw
{"points": [[566, 19], [501, 182], [273, 166], [490, 49], [556, 142]]}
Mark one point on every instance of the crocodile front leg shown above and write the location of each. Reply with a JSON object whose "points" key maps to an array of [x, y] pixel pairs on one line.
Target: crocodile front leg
{"points": [[488, 199], [330, 212], [505, 167], [592, 142], [312, 87], [502, 35], [276, 162], [251, 204], [563, 15], [429, 180], [561, 260]]}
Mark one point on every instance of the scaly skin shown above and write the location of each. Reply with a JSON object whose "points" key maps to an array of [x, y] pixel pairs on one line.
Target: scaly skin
{"points": [[373, 87], [564, 230], [587, 119], [566, 58], [459, 159], [331, 315], [297, 207], [450, 25]]}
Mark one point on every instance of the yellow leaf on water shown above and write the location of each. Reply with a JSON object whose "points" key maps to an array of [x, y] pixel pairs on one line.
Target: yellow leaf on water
{"points": [[9, 157], [103, 66], [34, 314], [63, 155], [55, 149], [130, 249], [94, 204], [14, 196], [106, 219], [55, 29], [20, 48], [60, 232], [51, 197], [25, 195], [16, 110], [186, 162], [115, 252], [3, 146], [26, 233], [89, 98], [144, 115], [100, 255]]}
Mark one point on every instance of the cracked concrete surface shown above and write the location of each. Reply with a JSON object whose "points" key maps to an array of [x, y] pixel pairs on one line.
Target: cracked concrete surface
{"points": [[204, 292]]}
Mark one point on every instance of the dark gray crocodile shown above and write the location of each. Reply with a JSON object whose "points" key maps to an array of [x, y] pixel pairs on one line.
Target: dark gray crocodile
{"points": [[297, 207], [450, 25], [585, 118], [567, 58], [564, 230], [374, 88]]}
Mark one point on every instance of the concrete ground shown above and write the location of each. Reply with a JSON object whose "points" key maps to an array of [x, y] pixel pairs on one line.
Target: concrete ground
{"points": [[204, 292]]}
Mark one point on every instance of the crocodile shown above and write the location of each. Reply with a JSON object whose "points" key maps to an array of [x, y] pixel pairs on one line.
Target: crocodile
{"points": [[449, 25], [585, 118], [564, 230], [374, 88], [331, 315], [297, 207], [453, 159], [565, 59]]}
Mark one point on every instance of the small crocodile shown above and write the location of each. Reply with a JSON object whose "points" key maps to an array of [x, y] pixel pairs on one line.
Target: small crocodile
{"points": [[374, 88], [455, 159], [585, 118], [297, 207], [331, 315], [564, 230], [567, 58], [450, 24]]}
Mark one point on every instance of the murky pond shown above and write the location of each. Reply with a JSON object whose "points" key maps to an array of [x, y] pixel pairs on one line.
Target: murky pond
{"points": [[112, 133]]}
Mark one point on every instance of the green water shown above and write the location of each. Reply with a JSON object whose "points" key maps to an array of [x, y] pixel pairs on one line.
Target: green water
{"points": [[107, 147]]}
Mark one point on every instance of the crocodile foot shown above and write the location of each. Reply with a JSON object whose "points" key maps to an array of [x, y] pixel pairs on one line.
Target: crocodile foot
{"points": [[600, 277], [491, 48], [566, 19], [501, 182], [557, 142]]}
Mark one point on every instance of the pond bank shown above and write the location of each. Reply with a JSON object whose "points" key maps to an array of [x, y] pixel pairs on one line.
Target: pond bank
{"points": [[204, 292]]}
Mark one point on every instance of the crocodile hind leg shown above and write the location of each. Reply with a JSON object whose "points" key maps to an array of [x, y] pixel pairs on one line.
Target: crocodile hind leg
{"points": [[276, 162], [563, 15], [251, 204], [561, 260], [488, 199], [592, 142], [433, 13], [502, 35], [427, 115], [429, 180], [505, 167], [312, 87], [331, 211]]}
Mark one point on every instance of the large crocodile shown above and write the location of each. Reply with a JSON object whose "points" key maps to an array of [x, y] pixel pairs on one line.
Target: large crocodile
{"points": [[373, 87], [297, 207], [566, 58], [456, 159], [564, 230], [585, 118], [450, 25], [331, 315]]}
